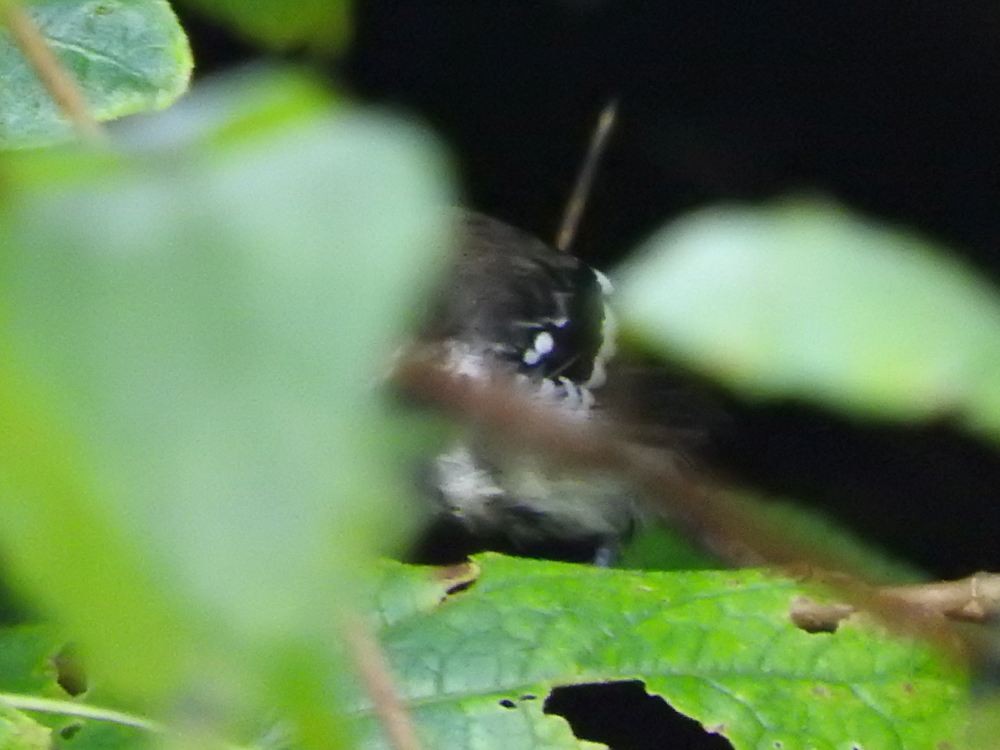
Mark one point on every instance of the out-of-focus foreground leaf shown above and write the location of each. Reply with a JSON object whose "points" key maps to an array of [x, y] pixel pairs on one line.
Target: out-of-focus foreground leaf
{"points": [[19, 732], [804, 300], [192, 446], [127, 56], [718, 646], [318, 24]]}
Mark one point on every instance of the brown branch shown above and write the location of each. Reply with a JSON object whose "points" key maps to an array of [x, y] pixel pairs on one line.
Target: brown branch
{"points": [[973, 599], [689, 501], [54, 77], [379, 684]]}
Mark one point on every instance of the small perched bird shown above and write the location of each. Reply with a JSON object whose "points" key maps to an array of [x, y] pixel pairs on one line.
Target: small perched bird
{"points": [[514, 306]]}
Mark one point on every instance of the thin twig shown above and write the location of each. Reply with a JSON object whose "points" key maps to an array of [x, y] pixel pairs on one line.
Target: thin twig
{"points": [[54, 77], [379, 684], [585, 180]]}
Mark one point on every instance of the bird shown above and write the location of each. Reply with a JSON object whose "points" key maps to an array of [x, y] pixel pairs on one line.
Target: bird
{"points": [[511, 305]]}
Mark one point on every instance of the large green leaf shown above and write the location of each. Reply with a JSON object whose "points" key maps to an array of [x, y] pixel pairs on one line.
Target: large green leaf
{"points": [[804, 300], [192, 341], [127, 56], [476, 666], [319, 24]]}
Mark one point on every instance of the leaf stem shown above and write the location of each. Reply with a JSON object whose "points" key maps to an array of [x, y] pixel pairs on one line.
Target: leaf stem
{"points": [[379, 684], [50, 71], [79, 710], [94, 713]]}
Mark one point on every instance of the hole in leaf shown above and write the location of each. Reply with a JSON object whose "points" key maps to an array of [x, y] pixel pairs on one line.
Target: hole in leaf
{"points": [[69, 671], [624, 716], [68, 732], [815, 617], [508, 703]]}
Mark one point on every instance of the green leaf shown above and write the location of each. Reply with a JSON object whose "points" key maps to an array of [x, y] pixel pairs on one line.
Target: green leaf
{"points": [[60, 548], [804, 300], [195, 459], [318, 24], [718, 646], [127, 56]]}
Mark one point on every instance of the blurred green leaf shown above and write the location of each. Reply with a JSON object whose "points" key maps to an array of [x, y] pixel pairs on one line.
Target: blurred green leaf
{"points": [[804, 300], [127, 56], [192, 346], [19, 732], [255, 101], [830, 539], [476, 666], [59, 547], [317, 24], [223, 112]]}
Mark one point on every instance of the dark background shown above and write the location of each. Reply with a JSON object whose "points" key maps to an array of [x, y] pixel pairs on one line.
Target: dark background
{"points": [[891, 107]]}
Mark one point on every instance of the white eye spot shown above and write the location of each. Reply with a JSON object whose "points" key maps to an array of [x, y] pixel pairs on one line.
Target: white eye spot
{"points": [[544, 342]]}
